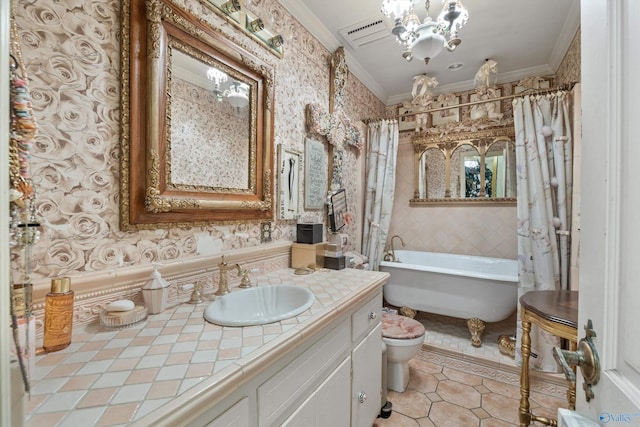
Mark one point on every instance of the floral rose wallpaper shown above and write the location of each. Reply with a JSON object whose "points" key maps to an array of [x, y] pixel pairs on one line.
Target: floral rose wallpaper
{"points": [[71, 50], [212, 132], [569, 69]]}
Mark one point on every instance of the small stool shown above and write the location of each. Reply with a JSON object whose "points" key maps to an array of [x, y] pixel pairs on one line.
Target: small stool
{"points": [[557, 313]]}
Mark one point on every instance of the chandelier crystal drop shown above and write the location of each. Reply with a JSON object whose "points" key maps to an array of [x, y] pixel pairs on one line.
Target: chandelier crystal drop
{"points": [[217, 77], [427, 39]]}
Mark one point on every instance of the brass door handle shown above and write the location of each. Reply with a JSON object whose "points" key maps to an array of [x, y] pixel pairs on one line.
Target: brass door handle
{"points": [[586, 357]]}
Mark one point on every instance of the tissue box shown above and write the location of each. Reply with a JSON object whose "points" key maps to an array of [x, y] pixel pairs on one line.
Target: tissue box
{"points": [[335, 263], [304, 255], [309, 233], [155, 299]]}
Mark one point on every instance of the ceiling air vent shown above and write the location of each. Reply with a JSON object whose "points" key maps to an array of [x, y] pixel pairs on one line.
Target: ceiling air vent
{"points": [[366, 32]]}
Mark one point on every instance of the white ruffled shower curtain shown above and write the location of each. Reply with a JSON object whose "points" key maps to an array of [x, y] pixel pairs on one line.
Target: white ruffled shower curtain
{"points": [[382, 150], [544, 164]]}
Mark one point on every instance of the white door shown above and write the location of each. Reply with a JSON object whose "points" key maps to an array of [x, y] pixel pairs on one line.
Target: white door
{"points": [[610, 208], [5, 340]]}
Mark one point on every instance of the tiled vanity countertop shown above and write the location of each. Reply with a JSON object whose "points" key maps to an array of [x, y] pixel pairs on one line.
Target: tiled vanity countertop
{"points": [[129, 376]]}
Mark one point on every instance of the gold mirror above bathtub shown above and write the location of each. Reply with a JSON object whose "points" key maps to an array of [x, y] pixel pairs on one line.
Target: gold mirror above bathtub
{"points": [[465, 168], [197, 120]]}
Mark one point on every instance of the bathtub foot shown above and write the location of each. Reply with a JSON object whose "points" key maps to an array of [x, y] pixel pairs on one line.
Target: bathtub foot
{"points": [[507, 345], [407, 312], [476, 327]]}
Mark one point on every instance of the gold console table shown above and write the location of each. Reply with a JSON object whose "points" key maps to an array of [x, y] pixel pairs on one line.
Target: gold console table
{"points": [[557, 313]]}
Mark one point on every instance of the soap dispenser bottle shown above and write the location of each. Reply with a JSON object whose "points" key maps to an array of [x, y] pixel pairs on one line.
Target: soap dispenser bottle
{"points": [[155, 292]]}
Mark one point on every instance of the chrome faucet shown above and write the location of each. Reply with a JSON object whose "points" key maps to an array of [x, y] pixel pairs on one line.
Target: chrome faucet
{"points": [[393, 252], [223, 286]]}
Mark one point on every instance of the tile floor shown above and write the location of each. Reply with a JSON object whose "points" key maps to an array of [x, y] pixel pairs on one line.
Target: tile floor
{"points": [[455, 384]]}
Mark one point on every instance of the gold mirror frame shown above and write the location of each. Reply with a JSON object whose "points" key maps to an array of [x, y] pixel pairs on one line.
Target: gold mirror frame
{"points": [[447, 144], [148, 199]]}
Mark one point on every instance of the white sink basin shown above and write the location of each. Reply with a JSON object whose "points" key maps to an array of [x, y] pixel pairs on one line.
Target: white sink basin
{"points": [[259, 305]]}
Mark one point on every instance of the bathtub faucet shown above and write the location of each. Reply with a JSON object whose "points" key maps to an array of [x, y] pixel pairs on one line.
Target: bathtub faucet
{"points": [[392, 256]]}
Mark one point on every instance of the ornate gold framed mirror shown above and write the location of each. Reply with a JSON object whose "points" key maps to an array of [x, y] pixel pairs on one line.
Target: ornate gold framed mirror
{"points": [[469, 167], [197, 123]]}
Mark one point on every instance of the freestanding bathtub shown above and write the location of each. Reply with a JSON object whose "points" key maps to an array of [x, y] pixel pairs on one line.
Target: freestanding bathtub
{"points": [[479, 289]]}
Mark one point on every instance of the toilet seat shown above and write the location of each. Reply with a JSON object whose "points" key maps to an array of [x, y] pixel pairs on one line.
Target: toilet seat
{"points": [[398, 327], [404, 337]]}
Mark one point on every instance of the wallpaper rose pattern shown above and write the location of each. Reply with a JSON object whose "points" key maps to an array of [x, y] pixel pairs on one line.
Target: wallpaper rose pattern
{"points": [[71, 49], [207, 136], [569, 69]]}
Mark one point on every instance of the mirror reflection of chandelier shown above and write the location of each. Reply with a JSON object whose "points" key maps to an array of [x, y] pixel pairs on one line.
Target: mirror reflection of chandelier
{"points": [[217, 77], [427, 39], [237, 94]]}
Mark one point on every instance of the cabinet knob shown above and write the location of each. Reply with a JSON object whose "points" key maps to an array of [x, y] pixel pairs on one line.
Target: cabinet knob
{"points": [[362, 397], [372, 315]]}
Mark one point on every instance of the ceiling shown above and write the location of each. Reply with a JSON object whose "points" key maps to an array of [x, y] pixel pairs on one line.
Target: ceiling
{"points": [[525, 37]]}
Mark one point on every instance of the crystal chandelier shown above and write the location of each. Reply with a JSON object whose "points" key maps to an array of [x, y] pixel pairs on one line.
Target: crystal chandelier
{"points": [[427, 39], [217, 77], [237, 94]]}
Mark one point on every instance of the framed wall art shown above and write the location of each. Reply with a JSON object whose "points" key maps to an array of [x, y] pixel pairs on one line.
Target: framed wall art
{"points": [[406, 123], [448, 115], [338, 209], [289, 171], [315, 174]]}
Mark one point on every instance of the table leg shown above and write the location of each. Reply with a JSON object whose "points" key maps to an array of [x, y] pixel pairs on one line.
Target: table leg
{"points": [[525, 349], [571, 393]]}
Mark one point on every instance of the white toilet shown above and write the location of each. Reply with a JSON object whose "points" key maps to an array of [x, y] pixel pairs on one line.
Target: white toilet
{"points": [[404, 337]]}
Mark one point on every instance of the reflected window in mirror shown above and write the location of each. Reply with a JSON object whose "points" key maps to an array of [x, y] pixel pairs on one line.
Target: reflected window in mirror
{"points": [[465, 173], [500, 161]]}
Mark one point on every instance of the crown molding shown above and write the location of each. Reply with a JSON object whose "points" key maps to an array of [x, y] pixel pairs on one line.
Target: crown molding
{"points": [[569, 29]]}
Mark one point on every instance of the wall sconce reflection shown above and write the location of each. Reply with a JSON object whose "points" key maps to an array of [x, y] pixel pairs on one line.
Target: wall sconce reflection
{"points": [[232, 6]]}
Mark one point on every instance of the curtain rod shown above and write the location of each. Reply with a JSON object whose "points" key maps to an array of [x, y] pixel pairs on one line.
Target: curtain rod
{"points": [[567, 86]]}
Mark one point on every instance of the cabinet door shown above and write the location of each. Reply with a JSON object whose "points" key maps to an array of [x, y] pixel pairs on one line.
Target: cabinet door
{"points": [[235, 416], [329, 405], [366, 391], [304, 416], [333, 407]]}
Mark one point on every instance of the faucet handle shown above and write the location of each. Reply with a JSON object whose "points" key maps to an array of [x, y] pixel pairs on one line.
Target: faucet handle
{"points": [[196, 295], [245, 282]]}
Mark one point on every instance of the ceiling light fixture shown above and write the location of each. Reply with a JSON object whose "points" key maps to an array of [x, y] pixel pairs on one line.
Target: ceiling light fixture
{"points": [[237, 95], [427, 39]]}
